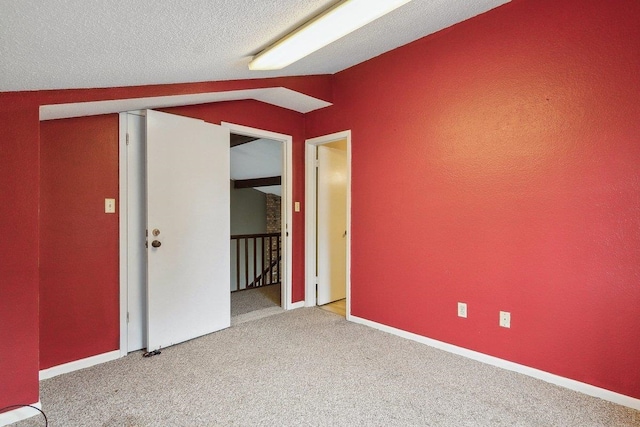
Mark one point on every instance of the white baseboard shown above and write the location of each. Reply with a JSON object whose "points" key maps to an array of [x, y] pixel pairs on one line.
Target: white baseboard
{"points": [[295, 305], [574, 385], [65, 368], [19, 414]]}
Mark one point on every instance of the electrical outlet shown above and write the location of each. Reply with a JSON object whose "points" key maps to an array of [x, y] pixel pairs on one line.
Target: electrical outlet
{"points": [[505, 319], [462, 309]]}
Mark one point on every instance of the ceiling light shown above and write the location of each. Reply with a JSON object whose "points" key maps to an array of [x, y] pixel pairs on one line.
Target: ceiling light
{"points": [[340, 20]]}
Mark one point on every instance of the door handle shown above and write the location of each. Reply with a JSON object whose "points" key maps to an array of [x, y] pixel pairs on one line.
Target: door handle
{"points": [[156, 243]]}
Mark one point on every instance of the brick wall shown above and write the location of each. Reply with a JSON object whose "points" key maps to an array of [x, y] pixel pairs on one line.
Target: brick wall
{"points": [[274, 225], [274, 222]]}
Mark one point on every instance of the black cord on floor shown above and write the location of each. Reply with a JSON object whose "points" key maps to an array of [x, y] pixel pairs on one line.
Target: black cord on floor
{"points": [[151, 353], [46, 421]]}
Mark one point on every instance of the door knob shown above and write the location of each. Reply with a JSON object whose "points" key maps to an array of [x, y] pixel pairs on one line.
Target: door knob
{"points": [[156, 244]]}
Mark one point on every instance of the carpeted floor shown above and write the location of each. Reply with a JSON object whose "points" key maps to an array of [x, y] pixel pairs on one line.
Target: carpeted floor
{"points": [[243, 302], [308, 367]]}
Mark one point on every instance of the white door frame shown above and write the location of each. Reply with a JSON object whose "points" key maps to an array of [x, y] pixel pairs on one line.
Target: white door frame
{"points": [[287, 208], [311, 148], [123, 161], [286, 205]]}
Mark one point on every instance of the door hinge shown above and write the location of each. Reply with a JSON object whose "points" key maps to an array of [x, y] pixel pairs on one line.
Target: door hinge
{"points": [[127, 317], [316, 163], [127, 139]]}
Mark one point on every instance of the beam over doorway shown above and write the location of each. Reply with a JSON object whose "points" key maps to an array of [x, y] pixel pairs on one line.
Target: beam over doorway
{"points": [[257, 182], [241, 139]]}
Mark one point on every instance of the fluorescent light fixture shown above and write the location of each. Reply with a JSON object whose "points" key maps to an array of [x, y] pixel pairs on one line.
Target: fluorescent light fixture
{"points": [[340, 20]]}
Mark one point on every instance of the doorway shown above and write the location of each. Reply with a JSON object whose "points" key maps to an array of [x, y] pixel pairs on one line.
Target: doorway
{"points": [[328, 225], [286, 203], [176, 274], [256, 227], [132, 228]]}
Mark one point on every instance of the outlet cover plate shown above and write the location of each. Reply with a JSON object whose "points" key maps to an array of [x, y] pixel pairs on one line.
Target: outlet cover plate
{"points": [[505, 319], [462, 309]]}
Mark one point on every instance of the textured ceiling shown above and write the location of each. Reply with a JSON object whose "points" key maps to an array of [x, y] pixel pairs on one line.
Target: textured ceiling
{"points": [[56, 44]]}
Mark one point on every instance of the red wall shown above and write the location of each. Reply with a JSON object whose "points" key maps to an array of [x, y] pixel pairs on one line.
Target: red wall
{"points": [[79, 261], [18, 256], [498, 163], [19, 175], [501, 159], [79, 273]]}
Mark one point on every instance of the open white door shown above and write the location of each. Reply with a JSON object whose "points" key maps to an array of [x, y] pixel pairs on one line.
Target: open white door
{"points": [[188, 229], [332, 224]]}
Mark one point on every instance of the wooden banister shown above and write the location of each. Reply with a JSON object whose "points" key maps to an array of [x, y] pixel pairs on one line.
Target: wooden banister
{"points": [[266, 262]]}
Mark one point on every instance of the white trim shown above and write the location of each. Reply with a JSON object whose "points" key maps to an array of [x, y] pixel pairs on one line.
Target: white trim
{"points": [[19, 414], [124, 237], [568, 383], [311, 146], [310, 225], [287, 206], [295, 305], [76, 365], [279, 96]]}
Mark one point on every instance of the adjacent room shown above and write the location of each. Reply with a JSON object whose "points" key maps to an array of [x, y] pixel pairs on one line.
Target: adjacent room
{"points": [[422, 212], [256, 227]]}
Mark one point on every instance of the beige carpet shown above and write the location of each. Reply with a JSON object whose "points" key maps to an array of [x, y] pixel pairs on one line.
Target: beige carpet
{"points": [[308, 367], [249, 300]]}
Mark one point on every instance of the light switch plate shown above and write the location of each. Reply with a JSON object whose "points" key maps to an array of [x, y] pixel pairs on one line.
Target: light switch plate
{"points": [[296, 206], [109, 205]]}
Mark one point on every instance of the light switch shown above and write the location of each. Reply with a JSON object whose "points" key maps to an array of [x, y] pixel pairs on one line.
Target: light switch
{"points": [[109, 205], [296, 206]]}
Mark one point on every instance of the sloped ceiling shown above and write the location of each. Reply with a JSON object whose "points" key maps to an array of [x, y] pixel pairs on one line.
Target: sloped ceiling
{"points": [[257, 159], [59, 44]]}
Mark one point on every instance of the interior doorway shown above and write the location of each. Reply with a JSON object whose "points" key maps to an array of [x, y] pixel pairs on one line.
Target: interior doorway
{"points": [[133, 290], [328, 234], [256, 227], [286, 202], [174, 259]]}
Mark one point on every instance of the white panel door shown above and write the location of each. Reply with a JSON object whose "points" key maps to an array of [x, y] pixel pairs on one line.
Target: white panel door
{"points": [[332, 224], [188, 211]]}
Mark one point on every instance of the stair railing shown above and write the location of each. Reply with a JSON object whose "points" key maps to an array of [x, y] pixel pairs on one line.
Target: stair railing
{"points": [[257, 260]]}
